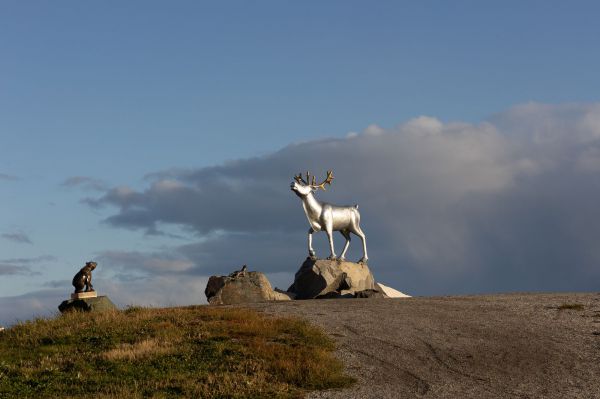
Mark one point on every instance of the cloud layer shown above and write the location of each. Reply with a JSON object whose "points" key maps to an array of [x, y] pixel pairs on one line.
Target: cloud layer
{"points": [[507, 204]]}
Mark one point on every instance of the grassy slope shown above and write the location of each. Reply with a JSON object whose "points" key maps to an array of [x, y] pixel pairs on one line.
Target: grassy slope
{"points": [[195, 351]]}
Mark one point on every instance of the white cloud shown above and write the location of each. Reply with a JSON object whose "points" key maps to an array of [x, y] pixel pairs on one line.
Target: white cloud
{"points": [[373, 130], [127, 262], [155, 291], [25, 307], [423, 126], [151, 291]]}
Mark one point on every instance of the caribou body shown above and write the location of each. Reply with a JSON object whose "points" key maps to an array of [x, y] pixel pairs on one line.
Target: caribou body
{"points": [[327, 217]]}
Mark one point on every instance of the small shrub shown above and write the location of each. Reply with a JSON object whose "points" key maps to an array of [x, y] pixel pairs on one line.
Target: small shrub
{"points": [[571, 306]]}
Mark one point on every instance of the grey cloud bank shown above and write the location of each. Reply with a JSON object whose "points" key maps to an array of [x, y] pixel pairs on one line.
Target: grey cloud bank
{"points": [[509, 204], [505, 205]]}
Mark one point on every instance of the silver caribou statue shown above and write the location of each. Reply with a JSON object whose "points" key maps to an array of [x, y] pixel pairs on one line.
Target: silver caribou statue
{"points": [[324, 216]]}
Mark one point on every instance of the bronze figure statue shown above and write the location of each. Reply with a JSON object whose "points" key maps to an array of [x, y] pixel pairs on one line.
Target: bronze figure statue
{"points": [[83, 278]]}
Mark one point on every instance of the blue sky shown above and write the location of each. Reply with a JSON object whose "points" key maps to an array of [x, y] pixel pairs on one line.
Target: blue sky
{"points": [[114, 91]]}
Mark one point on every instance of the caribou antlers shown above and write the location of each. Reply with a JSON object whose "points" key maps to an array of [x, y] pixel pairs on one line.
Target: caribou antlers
{"points": [[314, 184]]}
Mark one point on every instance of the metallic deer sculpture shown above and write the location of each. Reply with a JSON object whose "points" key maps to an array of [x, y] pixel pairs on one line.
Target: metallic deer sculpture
{"points": [[323, 216]]}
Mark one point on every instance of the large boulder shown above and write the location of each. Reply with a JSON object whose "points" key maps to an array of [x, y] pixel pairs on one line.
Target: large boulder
{"points": [[327, 278], [241, 287]]}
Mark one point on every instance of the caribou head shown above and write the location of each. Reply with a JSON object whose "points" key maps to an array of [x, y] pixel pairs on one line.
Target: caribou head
{"points": [[302, 187]]}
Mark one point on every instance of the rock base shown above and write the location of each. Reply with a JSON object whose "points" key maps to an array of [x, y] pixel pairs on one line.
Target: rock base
{"points": [[241, 287], [322, 278], [316, 279], [96, 304]]}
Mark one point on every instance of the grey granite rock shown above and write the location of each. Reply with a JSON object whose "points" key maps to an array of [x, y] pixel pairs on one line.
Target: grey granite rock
{"points": [[242, 287], [318, 277]]}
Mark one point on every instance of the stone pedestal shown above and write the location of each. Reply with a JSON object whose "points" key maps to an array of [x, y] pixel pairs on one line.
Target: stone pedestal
{"points": [[89, 304], [82, 295], [322, 278]]}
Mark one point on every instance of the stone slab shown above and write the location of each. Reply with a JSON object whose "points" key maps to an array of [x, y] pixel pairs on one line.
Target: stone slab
{"points": [[391, 293], [82, 295], [98, 304]]}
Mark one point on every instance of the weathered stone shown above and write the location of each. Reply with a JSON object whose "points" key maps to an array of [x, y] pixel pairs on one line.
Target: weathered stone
{"points": [[98, 304], [241, 287], [369, 294], [318, 277]]}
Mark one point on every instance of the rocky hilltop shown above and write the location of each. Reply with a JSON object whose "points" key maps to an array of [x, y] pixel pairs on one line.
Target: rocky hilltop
{"points": [[485, 346]]}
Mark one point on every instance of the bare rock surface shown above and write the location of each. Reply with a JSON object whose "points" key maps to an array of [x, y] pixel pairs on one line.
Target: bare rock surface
{"points": [[241, 287], [323, 278], [492, 346]]}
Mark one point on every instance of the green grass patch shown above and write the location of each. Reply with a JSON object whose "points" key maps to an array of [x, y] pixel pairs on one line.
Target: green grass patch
{"points": [[571, 306], [198, 351]]}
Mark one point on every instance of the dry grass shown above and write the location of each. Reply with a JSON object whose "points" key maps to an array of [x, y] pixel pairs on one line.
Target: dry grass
{"points": [[139, 350], [199, 352]]}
